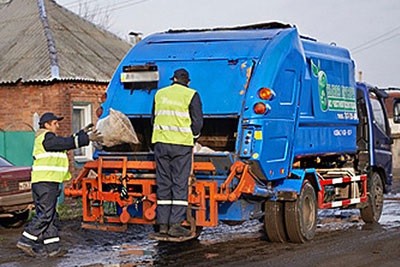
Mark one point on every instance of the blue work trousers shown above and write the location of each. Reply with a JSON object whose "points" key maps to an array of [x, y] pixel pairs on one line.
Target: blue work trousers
{"points": [[173, 166], [43, 225]]}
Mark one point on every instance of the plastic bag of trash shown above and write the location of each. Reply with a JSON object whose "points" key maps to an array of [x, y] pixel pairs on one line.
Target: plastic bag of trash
{"points": [[116, 129], [198, 148]]}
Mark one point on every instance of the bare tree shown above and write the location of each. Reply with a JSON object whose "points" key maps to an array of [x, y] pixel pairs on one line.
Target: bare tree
{"points": [[96, 14]]}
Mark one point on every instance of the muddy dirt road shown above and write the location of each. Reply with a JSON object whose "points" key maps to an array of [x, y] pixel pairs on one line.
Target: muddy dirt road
{"points": [[341, 240]]}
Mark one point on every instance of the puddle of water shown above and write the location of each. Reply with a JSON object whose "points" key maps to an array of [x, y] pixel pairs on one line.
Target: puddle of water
{"points": [[138, 253], [224, 233], [143, 252], [391, 213]]}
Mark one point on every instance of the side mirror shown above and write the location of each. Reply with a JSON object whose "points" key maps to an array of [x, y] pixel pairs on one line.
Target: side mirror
{"points": [[396, 111]]}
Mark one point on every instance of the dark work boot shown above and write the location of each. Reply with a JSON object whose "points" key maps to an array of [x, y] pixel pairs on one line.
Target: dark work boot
{"points": [[31, 248], [54, 250], [161, 232], [163, 229], [176, 230]]}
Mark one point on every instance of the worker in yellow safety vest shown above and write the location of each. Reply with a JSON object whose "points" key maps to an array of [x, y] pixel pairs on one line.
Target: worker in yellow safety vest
{"points": [[177, 121], [49, 170]]}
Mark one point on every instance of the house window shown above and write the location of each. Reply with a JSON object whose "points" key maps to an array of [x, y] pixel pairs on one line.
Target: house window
{"points": [[81, 116]]}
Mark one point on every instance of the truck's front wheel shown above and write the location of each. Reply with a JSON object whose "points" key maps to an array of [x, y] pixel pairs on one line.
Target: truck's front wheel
{"points": [[372, 213], [301, 215]]}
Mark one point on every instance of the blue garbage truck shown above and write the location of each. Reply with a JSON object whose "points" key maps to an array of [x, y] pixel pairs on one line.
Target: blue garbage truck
{"points": [[287, 129]]}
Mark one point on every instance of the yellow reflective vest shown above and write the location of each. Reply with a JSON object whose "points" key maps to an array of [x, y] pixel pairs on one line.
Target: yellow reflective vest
{"points": [[171, 115], [48, 166]]}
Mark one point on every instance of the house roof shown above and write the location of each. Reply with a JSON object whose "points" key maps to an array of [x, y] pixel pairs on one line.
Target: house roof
{"points": [[42, 41]]}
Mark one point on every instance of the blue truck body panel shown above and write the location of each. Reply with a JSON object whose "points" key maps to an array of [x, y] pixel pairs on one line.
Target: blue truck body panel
{"points": [[312, 113], [207, 58]]}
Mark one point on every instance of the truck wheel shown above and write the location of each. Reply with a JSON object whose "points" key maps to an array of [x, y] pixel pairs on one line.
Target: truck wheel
{"points": [[274, 223], [18, 219], [301, 215], [372, 213]]}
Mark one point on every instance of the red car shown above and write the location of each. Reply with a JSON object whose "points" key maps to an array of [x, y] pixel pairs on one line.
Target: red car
{"points": [[15, 194]]}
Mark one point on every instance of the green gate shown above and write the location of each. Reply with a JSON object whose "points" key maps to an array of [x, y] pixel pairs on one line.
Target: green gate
{"points": [[16, 146]]}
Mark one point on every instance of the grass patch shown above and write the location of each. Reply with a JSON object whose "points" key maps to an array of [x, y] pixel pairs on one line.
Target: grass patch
{"points": [[70, 210]]}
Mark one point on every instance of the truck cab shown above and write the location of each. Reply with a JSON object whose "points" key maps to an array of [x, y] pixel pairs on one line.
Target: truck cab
{"points": [[374, 133]]}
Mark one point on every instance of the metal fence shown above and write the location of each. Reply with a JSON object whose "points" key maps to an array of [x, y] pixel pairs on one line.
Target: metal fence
{"points": [[16, 146]]}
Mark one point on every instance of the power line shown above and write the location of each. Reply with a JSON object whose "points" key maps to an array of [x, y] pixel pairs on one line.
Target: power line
{"points": [[375, 41], [49, 8], [115, 6], [78, 2], [122, 5], [375, 44], [375, 38]]}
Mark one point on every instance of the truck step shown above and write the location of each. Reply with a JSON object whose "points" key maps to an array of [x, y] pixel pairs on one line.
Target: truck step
{"points": [[356, 195]]}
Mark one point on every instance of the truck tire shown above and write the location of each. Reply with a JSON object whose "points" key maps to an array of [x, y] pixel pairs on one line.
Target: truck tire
{"points": [[274, 221], [301, 215], [372, 213]]}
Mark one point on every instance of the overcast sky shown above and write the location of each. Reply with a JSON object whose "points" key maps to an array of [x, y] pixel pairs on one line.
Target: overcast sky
{"points": [[369, 28]]}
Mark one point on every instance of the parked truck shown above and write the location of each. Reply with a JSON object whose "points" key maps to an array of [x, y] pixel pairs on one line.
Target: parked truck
{"points": [[392, 103], [287, 129]]}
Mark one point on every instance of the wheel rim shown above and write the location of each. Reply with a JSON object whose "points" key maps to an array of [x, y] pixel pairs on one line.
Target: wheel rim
{"points": [[373, 211], [378, 197]]}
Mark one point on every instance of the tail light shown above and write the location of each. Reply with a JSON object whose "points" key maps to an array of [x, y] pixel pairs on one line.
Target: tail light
{"points": [[4, 187], [266, 93], [261, 108]]}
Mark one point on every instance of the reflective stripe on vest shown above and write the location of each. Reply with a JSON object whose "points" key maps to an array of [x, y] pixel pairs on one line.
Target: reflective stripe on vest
{"points": [[51, 154], [48, 166], [172, 118]]}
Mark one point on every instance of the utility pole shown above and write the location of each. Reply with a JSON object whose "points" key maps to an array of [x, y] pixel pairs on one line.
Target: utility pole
{"points": [[360, 76]]}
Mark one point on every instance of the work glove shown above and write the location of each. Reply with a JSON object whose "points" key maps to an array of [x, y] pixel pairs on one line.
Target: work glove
{"points": [[88, 128], [95, 136]]}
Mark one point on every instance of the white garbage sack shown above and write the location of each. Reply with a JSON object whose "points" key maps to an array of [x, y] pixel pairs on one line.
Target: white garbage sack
{"points": [[198, 148], [116, 129]]}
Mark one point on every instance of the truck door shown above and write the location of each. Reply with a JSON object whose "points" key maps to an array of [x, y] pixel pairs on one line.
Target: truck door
{"points": [[272, 143], [381, 141], [281, 130]]}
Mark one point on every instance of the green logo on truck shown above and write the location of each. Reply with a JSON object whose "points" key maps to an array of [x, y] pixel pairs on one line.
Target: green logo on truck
{"points": [[331, 96]]}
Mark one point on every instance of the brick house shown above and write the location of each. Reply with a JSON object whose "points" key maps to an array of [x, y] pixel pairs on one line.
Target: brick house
{"points": [[51, 60]]}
